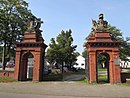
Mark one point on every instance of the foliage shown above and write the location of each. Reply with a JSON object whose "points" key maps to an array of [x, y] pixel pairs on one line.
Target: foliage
{"points": [[13, 17], [116, 33], [101, 59], [12, 53], [14, 14], [84, 53], [61, 51], [125, 46]]}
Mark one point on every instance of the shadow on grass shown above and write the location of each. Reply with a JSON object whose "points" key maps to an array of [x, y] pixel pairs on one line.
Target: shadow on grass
{"points": [[102, 79], [52, 77]]}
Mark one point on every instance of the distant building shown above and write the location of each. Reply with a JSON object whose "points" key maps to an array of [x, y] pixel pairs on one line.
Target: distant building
{"points": [[125, 64], [80, 63], [45, 62]]}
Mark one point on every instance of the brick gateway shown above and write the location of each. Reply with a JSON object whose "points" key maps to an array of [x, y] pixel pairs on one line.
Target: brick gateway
{"points": [[102, 42], [32, 45]]}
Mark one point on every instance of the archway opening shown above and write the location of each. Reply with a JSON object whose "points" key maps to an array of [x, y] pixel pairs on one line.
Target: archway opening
{"points": [[30, 66], [103, 68], [27, 67]]}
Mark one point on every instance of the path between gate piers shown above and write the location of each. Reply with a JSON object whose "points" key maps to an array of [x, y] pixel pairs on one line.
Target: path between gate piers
{"points": [[65, 89]]}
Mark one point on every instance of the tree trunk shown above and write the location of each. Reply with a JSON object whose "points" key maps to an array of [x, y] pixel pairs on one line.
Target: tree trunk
{"points": [[3, 57], [62, 70], [8, 51]]}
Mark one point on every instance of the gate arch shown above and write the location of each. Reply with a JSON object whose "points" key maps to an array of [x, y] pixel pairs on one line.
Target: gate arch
{"points": [[24, 67], [105, 65]]}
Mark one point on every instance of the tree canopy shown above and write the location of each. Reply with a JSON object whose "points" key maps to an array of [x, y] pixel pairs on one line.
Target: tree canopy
{"points": [[61, 51], [13, 17], [124, 48]]}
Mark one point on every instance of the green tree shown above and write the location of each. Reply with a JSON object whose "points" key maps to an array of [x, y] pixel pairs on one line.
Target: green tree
{"points": [[61, 51], [84, 53], [13, 17], [124, 48]]}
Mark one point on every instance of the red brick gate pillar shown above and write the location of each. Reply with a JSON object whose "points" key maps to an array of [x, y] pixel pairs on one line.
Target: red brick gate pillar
{"points": [[17, 63], [92, 67], [114, 68], [37, 66]]}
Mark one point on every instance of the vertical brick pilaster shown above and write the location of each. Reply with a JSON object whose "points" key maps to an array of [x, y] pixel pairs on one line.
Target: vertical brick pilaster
{"points": [[92, 67], [117, 76], [37, 64], [17, 64]]}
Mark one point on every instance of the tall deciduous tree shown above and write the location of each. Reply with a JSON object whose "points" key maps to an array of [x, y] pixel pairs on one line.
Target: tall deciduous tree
{"points": [[13, 17], [61, 51], [124, 48]]}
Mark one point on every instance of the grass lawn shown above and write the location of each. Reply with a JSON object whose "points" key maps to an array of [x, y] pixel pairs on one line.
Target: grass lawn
{"points": [[102, 78], [71, 73], [125, 84], [52, 77], [5, 79], [126, 70], [102, 69]]}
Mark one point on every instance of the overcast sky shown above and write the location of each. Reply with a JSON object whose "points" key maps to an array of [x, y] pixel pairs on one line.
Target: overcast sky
{"points": [[77, 15]]}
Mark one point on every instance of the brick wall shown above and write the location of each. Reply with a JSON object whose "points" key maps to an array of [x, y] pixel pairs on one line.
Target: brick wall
{"points": [[5, 73]]}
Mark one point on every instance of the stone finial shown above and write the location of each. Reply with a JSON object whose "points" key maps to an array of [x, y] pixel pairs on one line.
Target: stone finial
{"points": [[101, 16], [31, 24], [100, 25], [38, 25], [34, 24]]}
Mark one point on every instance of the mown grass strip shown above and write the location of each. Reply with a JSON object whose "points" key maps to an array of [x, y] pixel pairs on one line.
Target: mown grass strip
{"points": [[7, 79]]}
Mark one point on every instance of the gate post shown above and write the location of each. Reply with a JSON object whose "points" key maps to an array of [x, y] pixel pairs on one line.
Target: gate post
{"points": [[92, 67]]}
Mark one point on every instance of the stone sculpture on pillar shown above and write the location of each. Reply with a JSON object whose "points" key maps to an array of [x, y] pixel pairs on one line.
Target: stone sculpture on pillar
{"points": [[34, 24], [31, 24], [100, 25]]}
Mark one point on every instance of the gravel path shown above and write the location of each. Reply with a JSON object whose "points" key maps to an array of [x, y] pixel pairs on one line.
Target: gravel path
{"points": [[62, 90]]}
